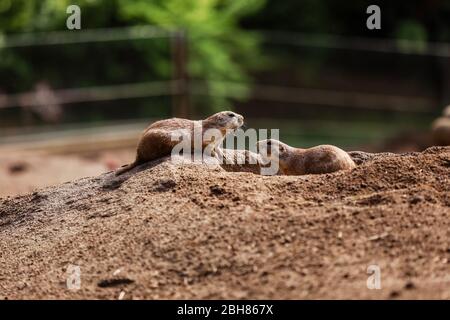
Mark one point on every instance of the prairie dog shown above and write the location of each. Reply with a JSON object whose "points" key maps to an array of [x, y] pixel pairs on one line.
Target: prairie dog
{"points": [[156, 141], [296, 161], [441, 129]]}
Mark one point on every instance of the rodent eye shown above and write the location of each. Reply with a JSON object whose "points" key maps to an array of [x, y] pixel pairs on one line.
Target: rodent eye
{"points": [[231, 115]]}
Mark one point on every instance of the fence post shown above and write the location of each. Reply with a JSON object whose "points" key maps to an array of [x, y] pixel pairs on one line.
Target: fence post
{"points": [[180, 89]]}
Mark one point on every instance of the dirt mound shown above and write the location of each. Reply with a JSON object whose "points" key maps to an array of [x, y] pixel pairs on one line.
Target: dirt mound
{"points": [[197, 231]]}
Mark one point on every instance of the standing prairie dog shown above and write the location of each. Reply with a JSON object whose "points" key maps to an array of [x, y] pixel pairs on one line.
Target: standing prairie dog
{"points": [[296, 161], [441, 129], [157, 140]]}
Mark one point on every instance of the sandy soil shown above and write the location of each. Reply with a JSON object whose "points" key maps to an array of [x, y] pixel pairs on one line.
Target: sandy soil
{"points": [[194, 231], [24, 171]]}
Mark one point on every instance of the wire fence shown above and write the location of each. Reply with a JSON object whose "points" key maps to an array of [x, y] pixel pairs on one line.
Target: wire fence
{"points": [[181, 88], [175, 86], [396, 46], [234, 89], [84, 36]]}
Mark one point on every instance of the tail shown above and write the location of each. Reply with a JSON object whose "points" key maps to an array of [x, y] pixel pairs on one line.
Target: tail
{"points": [[126, 168]]}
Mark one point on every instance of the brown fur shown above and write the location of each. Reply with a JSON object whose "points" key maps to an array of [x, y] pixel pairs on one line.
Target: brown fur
{"points": [[315, 160], [241, 161], [441, 129], [156, 141]]}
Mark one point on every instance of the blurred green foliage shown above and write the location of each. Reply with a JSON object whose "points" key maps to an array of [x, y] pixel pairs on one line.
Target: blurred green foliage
{"points": [[219, 49], [415, 35], [399, 19]]}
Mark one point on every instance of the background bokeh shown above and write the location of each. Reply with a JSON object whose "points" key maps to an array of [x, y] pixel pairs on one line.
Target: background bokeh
{"points": [[310, 68]]}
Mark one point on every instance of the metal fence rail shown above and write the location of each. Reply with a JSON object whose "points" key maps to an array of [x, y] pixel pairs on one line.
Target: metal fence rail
{"points": [[405, 47], [180, 86]]}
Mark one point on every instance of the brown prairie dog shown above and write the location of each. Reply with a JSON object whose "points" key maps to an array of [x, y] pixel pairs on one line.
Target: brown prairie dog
{"points": [[157, 140], [296, 161], [441, 129]]}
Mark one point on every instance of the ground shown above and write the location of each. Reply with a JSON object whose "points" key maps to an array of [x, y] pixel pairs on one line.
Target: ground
{"points": [[25, 171], [197, 231]]}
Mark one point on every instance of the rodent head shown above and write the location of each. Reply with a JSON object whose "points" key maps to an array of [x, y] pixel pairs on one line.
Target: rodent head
{"points": [[446, 112], [272, 150], [225, 120]]}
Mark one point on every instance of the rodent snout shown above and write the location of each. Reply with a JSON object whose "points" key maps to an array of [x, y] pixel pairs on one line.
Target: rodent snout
{"points": [[240, 120], [264, 148], [261, 146]]}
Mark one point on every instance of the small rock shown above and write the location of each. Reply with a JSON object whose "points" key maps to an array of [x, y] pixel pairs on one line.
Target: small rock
{"points": [[18, 167], [114, 282], [415, 199], [410, 285], [394, 294], [216, 190], [165, 185]]}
